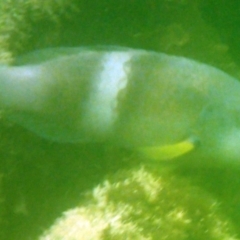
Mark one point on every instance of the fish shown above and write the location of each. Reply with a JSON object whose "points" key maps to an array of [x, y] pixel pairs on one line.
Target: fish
{"points": [[160, 105]]}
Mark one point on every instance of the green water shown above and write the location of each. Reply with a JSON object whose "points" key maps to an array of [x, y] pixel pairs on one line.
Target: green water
{"points": [[41, 179]]}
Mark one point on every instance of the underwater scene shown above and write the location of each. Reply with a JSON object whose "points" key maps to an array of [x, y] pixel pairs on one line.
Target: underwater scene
{"points": [[119, 120]]}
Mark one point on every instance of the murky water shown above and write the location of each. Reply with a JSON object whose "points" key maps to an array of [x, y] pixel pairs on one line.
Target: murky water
{"points": [[41, 179]]}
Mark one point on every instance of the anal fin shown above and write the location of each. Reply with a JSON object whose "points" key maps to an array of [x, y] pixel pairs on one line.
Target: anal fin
{"points": [[167, 152]]}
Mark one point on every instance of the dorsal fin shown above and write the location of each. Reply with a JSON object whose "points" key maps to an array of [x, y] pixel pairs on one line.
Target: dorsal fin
{"points": [[42, 55], [39, 56]]}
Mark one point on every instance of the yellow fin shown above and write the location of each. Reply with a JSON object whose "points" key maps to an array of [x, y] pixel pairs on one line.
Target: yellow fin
{"points": [[167, 152]]}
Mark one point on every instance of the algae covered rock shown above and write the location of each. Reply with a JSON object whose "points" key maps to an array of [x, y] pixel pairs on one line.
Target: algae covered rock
{"points": [[26, 23], [141, 205]]}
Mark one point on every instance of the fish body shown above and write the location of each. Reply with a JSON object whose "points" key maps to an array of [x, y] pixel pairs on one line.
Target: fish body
{"points": [[132, 98]]}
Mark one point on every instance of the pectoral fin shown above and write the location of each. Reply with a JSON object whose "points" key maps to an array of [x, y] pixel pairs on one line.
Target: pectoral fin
{"points": [[167, 152]]}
